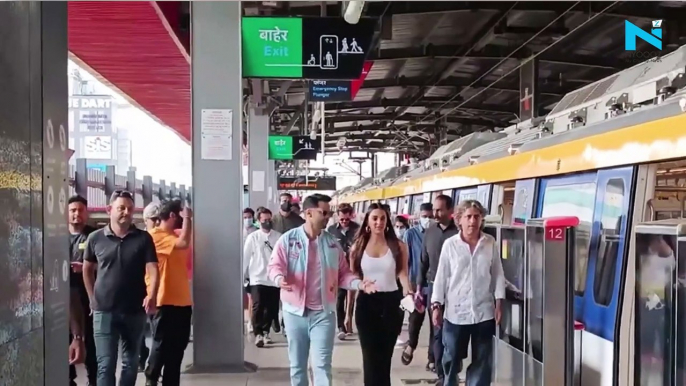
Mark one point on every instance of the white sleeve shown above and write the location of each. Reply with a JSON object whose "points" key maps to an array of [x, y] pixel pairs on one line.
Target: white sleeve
{"points": [[247, 254], [497, 275]]}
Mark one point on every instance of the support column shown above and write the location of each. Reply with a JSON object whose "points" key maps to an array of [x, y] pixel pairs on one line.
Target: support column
{"points": [[258, 161], [217, 190]]}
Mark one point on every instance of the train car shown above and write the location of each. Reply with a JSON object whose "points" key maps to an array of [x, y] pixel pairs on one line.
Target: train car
{"points": [[612, 154]]}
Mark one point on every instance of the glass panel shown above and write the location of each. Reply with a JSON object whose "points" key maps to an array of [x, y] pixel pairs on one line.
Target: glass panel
{"points": [[512, 256], [574, 200], [681, 314], [468, 194], [393, 203], [534, 292], [655, 290], [417, 200], [402, 205], [610, 236]]}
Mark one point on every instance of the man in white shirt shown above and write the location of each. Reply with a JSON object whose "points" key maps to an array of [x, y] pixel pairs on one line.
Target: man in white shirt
{"points": [[257, 252], [468, 280]]}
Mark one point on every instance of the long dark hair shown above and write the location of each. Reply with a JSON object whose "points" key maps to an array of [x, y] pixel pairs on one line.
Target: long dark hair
{"points": [[362, 239]]}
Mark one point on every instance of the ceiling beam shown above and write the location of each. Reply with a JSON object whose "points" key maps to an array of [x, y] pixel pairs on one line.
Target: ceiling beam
{"points": [[376, 137], [458, 82], [493, 53], [299, 111], [481, 38], [424, 102], [273, 102], [379, 127], [412, 118]]}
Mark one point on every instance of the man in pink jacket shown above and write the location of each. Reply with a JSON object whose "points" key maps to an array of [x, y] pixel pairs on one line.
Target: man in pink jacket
{"points": [[309, 266]]}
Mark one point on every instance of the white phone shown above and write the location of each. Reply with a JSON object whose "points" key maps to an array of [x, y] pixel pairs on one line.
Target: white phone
{"points": [[407, 304]]}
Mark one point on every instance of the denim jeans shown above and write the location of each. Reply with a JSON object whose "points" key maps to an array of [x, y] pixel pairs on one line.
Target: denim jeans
{"points": [[108, 329], [437, 344], [456, 340], [315, 332]]}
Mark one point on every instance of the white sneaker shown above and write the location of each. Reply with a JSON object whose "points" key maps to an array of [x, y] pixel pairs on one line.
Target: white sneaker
{"points": [[259, 341], [268, 339]]}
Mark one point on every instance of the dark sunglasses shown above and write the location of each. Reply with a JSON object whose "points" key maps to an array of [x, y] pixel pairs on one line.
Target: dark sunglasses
{"points": [[122, 193], [344, 220]]}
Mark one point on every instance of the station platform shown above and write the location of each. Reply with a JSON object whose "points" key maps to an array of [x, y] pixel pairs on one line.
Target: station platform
{"points": [[273, 368]]}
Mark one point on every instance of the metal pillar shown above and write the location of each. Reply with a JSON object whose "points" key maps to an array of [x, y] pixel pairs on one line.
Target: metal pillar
{"points": [[258, 161], [217, 190], [47, 91]]}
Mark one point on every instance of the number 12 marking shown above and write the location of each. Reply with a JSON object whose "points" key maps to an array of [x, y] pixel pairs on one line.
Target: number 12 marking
{"points": [[555, 234]]}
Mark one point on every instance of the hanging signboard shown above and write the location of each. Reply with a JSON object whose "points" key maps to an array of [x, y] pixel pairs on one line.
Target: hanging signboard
{"points": [[307, 183], [311, 48]]}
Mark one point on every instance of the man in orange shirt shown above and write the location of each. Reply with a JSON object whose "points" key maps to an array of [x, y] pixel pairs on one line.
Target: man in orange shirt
{"points": [[172, 322]]}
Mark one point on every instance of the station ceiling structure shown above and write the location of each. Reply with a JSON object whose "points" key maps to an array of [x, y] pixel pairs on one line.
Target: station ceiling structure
{"points": [[437, 66]]}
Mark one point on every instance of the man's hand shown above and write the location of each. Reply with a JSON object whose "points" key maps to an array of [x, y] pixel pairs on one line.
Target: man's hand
{"points": [[77, 266], [285, 286], [367, 286], [498, 312], [149, 305], [77, 351], [437, 316], [187, 212]]}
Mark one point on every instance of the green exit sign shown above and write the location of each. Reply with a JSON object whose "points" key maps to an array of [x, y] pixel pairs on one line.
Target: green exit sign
{"points": [[280, 147]]}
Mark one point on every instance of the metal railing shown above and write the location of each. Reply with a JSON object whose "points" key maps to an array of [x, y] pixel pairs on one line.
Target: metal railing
{"points": [[96, 186]]}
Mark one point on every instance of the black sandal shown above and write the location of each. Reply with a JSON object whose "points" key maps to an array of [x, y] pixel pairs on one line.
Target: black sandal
{"points": [[406, 358]]}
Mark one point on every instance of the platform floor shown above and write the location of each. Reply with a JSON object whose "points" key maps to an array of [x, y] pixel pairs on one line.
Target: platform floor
{"points": [[273, 369]]}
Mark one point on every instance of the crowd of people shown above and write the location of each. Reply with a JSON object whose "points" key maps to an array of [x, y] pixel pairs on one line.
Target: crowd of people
{"points": [[318, 270], [123, 278], [329, 276]]}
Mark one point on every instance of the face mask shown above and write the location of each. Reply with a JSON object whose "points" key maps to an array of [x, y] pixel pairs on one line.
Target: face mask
{"points": [[424, 222], [286, 206], [400, 232], [247, 222], [266, 225]]}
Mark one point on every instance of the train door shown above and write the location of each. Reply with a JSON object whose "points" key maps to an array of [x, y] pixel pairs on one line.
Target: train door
{"points": [[572, 196], [606, 260]]}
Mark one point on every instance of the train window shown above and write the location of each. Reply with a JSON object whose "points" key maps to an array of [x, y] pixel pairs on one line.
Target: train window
{"points": [[417, 200], [393, 203], [610, 236], [403, 205], [577, 199], [655, 308]]}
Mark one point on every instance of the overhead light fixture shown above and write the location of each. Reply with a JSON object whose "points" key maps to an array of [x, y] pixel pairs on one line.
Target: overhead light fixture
{"points": [[473, 160], [353, 11], [514, 148]]}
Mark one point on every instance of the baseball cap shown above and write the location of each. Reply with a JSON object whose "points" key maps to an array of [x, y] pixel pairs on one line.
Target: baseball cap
{"points": [[151, 211]]}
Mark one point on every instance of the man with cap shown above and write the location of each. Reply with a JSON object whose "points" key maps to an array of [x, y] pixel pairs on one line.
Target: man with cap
{"points": [[151, 218]]}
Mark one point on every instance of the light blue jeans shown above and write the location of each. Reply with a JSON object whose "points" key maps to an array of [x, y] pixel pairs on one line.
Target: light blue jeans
{"points": [[315, 332]]}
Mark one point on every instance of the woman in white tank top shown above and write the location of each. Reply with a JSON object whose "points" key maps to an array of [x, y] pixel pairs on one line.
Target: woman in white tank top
{"points": [[377, 255]]}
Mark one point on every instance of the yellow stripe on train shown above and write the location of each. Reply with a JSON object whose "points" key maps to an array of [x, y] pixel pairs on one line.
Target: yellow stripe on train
{"points": [[647, 142]]}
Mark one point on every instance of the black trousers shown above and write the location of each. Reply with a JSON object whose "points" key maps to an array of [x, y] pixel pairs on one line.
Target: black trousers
{"points": [[171, 331], [91, 361], [379, 320], [341, 303], [416, 320], [265, 308]]}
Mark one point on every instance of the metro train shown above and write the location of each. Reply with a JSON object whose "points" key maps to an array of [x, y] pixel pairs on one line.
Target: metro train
{"points": [[612, 154]]}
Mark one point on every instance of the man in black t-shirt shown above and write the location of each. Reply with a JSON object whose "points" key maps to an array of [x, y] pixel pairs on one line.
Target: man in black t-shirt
{"points": [[123, 256], [78, 233]]}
